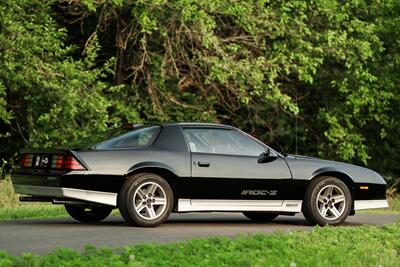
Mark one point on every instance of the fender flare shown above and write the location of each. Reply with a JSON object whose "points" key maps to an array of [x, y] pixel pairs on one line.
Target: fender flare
{"points": [[323, 170], [150, 164]]}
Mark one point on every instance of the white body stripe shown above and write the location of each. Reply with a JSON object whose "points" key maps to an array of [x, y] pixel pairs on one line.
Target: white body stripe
{"points": [[370, 204], [238, 205]]}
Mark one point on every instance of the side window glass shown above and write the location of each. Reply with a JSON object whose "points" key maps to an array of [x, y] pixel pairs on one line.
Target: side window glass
{"points": [[221, 141], [197, 141]]}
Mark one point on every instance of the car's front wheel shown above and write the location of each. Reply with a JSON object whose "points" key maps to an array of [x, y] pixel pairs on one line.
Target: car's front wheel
{"points": [[327, 201], [88, 214], [146, 199], [260, 216]]}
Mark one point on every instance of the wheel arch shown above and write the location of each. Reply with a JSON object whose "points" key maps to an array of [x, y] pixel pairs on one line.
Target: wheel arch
{"points": [[158, 168], [344, 177]]}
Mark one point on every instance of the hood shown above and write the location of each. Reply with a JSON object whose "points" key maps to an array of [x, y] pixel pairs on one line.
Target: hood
{"points": [[304, 167]]}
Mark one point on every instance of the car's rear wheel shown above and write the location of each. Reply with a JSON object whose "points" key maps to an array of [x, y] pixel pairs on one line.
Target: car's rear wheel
{"points": [[145, 199], [327, 201], [260, 216], [88, 214]]}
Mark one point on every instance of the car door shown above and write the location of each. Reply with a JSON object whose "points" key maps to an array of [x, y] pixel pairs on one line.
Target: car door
{"points": [[225, 166]]}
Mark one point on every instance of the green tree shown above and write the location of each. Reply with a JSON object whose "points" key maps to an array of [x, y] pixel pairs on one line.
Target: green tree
{"points": [[258, 64], [72, 67], [47, 97]]}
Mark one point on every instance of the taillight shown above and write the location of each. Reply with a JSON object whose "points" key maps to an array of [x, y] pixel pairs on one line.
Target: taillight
{"points": [[57, 162], [27, 160], [71, 163], [66, 162]]}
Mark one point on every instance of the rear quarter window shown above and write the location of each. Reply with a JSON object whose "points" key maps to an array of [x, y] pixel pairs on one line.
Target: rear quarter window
{"points": [[141, 137]]}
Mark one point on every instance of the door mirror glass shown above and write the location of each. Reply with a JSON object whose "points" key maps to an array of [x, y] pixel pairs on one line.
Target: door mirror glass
{"points": [[267, 156]]}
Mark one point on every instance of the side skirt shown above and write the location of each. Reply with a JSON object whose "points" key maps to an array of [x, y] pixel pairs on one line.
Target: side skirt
{"points": [[185, 205]]}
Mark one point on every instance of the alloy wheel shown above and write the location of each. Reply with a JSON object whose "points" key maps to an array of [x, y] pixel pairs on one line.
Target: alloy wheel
{"points": [[150, 201], [331, 202]]}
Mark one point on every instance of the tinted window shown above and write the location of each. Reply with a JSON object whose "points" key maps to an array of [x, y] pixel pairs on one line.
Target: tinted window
{"points": [[220, 141], [137, 138]]}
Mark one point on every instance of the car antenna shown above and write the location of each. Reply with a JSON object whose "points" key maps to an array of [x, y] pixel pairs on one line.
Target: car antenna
{"points": [[296, 123]]}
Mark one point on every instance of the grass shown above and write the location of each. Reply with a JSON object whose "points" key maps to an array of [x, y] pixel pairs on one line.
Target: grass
{"points": [[33, 211], [329, 246]]}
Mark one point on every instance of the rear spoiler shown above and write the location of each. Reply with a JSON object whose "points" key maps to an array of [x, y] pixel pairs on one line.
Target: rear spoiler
{"points": [[46, 151]]}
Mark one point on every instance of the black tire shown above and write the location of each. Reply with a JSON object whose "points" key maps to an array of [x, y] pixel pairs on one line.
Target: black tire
{"points": [[312, 209], [260, 216], [129, 200], [88, 214]]}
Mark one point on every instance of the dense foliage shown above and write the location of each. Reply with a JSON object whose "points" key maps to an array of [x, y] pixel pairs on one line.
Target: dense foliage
{"points": [[331, 67], [328, 246]]}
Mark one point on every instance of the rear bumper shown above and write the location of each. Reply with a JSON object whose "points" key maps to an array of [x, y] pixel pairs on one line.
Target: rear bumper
{"points": [[105, 198], [370, 204], [72, 180]]}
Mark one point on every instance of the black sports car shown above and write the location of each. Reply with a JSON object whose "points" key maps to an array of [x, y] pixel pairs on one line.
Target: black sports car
{"points": [[148, 171]]}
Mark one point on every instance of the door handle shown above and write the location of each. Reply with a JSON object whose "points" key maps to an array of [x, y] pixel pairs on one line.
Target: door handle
{"points": [[203, 164]]}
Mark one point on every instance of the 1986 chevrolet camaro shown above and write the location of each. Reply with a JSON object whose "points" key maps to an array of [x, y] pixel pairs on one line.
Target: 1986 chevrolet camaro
{"points": [[148, 171]]}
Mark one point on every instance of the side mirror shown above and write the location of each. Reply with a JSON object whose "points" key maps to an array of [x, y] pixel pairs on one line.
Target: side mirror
{"points": [[267, 156]]}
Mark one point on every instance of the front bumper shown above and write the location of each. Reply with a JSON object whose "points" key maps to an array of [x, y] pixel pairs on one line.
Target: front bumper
{"points": [[100, 197]]}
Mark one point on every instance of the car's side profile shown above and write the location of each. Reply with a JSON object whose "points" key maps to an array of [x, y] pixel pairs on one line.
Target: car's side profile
{"points": [[148, 171]]}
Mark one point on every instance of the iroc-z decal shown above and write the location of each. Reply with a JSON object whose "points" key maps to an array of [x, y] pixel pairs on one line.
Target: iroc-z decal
{"points": [[259, 192]]}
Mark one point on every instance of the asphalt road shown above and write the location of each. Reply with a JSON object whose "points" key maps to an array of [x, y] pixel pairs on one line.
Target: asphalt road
{"points": [[44, 235]]}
